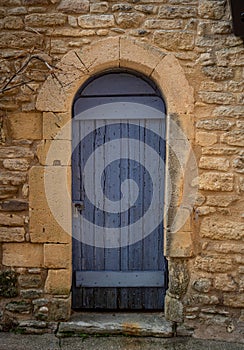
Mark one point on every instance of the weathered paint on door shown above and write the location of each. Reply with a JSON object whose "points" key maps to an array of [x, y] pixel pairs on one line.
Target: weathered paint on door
{"points": [[118, 191]]}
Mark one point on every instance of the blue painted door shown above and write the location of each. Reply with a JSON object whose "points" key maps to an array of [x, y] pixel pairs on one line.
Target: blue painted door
{"points": [[118, 191]]}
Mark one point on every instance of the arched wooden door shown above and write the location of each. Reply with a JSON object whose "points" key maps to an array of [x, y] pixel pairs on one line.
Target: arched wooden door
{"points": [[118, 190]]}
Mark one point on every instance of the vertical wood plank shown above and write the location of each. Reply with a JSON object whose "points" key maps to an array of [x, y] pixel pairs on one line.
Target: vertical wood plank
{"points": [[124, 261], [76, 251], [154, 296], [112, 184], [100, 298], [162, 266], [87, 251], [135, 250]]}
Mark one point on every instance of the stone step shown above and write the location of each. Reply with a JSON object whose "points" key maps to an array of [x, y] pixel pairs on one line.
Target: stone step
{"points": [[104, 323]]}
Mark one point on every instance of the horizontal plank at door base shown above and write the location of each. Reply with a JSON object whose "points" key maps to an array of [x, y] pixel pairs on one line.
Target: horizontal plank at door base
{"points": [[120, 279]]}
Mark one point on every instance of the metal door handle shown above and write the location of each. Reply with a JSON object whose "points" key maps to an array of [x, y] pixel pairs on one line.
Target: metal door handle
{"points": [[78, 205]]}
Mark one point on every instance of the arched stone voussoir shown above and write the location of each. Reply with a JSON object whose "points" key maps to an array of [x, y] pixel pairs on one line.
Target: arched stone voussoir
{"points": [[101, 55], [52, 97], [71, 71], [56, 94], [139, 56], [58, 90], [174, 86]]}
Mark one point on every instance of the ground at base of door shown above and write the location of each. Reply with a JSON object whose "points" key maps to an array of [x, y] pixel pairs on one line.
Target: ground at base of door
{"points": [[10, 341]]}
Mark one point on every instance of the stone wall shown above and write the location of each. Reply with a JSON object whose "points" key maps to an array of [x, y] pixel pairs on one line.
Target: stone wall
{"points": [[205, 295]]}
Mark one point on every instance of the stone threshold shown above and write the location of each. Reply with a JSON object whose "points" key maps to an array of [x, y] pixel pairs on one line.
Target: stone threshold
{"points": [[142, 324]]}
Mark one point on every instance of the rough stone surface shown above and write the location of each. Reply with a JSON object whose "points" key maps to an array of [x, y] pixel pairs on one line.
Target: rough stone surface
{"points": [[30, 281], [13, 22], [180, 277], [202, 285], [121, 7], [12, 234], [225, 283], [25, 126], [24, 255], [219, 151], [8, 284], [129, 20], [14, 205], [100, 7], [233, 138], [31, 293], [96, 21], [226, 248], [123, 323], [147, 9], [41, 229], [11, 220], [234, 300], [174, 309], [17, 10], [218, 73], [37, 20], [60, 309], [163, 24], [16, 152], [22, 307], [16, 164], [241, 183], [206, 138], [214, 264], [74, 6], [20, 39], [214, 163], [7, 191], [12, 178], [211, 9], [216, 229], [228, 111], [205, 210], [240, 124], [216, 181], [44, 341], [217, 97], [58, 282], [180, 244], [171, 39], [238, 163], [177, 11], [222, 201], [57, 255], [35, 2], [214, 124], [32, 327]]}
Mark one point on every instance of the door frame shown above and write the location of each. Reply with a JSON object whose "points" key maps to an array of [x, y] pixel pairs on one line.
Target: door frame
{"points": [[55, 100], [138, 89]]}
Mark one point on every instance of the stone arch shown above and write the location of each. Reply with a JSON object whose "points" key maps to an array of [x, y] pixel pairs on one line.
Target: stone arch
{"points": [[55, 100]]}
